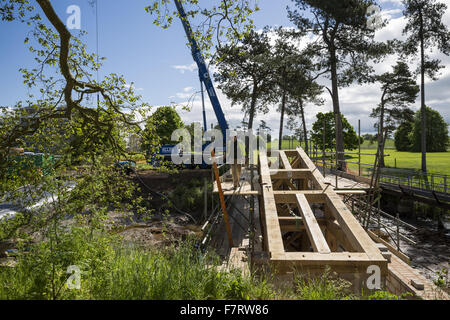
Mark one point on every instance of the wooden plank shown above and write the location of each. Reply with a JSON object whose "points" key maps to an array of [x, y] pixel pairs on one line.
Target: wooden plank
{"points": [[315, 235], [272, 225], [285, 161], [289, 196], [318, 259], [317, 177], [356, 235], [290, 174], [399, 254], [335, 229]]}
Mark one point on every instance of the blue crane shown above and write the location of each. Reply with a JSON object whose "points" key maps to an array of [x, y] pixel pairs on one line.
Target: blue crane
{"points": [[205, 78], [166, 151]]}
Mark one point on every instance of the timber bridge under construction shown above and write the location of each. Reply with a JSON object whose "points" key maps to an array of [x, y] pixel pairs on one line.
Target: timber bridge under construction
{"points": [[290, 215]]}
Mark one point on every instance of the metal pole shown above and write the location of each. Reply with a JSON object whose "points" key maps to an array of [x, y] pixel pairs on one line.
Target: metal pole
{"points": [[379, 216]]}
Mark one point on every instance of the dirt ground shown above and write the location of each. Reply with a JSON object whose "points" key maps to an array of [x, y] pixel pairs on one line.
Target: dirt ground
{"points": [[160, 229]]}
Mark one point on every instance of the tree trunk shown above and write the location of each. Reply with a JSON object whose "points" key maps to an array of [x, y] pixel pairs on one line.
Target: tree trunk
{"points": [[305, 132], [283, 105], [422, 96], [381, 136], [250, 121], [337, 112]]}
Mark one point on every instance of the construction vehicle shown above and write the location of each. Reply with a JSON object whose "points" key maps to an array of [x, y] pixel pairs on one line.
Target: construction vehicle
{"points": [[166, 151]]}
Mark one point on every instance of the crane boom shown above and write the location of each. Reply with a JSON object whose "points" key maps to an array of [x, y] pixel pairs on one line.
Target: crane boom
{"points": [[203, 70]]}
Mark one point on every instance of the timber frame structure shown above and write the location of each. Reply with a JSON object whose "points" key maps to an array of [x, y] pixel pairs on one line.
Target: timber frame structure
{"points": [[306, 226]]}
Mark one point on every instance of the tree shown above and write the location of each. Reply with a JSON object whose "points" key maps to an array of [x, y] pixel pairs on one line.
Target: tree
{"points": [[164, 121], [302, 93], [327, 119], [399, 90], [292, 77], [436, 135], [221, 20], [401, 138], [426, 31], [343, 47], [64, 77], [243, 74]]}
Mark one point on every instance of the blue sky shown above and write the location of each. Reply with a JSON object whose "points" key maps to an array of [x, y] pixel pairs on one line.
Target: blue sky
{"points": [[161, 67]]}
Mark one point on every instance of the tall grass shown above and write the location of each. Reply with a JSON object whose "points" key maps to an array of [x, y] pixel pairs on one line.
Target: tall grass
{"points": [[175, 273], [130, 273]]}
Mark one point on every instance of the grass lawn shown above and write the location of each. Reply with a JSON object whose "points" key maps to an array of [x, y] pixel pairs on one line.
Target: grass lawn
{"points": [[437, 162]]}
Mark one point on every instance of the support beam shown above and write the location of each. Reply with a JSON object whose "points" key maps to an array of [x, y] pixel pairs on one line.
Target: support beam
{"points": [[285, 161], [290, 174], [315, 235], [272, 225]]}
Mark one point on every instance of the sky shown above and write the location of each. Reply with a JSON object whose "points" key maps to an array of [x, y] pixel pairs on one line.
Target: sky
{"points": [[161, 67]]}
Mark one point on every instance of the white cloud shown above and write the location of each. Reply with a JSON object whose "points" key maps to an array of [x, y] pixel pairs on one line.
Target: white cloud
{"points": [[183, 68], [393, 2], [356, 101], [128, 86]]}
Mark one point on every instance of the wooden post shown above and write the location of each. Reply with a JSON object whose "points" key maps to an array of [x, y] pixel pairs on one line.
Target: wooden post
{"points": [[222, 200], [395, 163], [359, 147]]}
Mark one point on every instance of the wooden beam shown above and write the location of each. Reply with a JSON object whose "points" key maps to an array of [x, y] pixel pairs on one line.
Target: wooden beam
{"points": [[335, 229], [285, 161], [272, 225], [315, 234], [317, 177], [290, 174], [289, 197], [356, 235]]}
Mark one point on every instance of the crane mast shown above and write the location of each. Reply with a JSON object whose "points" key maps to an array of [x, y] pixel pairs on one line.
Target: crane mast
{"points": [[205, 78]]}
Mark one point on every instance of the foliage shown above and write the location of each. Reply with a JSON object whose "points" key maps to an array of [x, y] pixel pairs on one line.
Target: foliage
{"points": [[425, 32], [60, 105], [189, 195], [343, 45], [399, 90], [437, 132], [243, 73], [402, 141], [163, 122], [350, 137], [293, 78], [220, 21], [115, 272], [425, 25], [442, 278], [385, 295], [327, 286]]}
